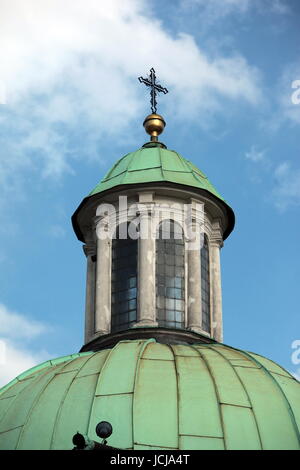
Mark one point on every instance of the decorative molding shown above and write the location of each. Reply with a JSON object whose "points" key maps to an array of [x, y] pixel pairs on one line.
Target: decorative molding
{"points": [[216, 241], [89, 249], [145, 323], [162, 335], [146, 196], [216, 237], [200, 331]]}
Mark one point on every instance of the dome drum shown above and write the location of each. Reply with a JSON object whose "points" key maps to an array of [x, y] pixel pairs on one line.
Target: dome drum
{"points": [[151, 208]]}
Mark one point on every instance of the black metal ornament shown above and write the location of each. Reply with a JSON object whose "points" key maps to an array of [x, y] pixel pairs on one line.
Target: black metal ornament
{"points": [[155, 88]]}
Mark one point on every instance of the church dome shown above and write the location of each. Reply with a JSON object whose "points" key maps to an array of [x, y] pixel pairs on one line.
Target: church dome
{"points": [[200, 396], [153, 163]]}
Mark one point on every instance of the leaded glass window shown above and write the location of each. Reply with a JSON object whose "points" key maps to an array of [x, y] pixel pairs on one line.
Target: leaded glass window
{"points": [[170, 275], [123, 283], [205, 285]]}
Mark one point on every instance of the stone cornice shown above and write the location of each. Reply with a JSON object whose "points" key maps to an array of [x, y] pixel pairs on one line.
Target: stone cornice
{"points": [[89, 249], [162, 335]]}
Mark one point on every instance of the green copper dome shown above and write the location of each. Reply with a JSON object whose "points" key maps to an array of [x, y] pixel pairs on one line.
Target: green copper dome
{"points": [[152, 164], [156, 396]]}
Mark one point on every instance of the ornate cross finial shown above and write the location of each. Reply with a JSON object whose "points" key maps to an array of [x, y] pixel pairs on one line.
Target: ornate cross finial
{"points": [[155, 87]]}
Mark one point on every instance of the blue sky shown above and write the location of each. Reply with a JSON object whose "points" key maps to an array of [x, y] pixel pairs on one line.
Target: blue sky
{"points": [[71, 105]]}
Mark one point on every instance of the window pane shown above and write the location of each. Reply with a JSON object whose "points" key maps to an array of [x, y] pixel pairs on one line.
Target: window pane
{"points": [[178, 293], [169, 270], [170, 303], [171, 292], [132, 316], [179, 305], [178, 282], [132, 293], [170, 281], [124, 281], [178, 317], [170, 275], [132, 304], [160, 314], [179, 260], [160, 302], [170, 315], [179, 272], [132, 282], [160, 290]]}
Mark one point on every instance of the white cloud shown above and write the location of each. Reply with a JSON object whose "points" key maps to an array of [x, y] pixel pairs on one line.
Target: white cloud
{"points": [[99, 51], [15, 325], [214, 10], [255, 155], [280, 6], [2, 93], [260, 163], [70, 72], [14, 360], [57, 231], [286, 192], [227, 7], [14, 356]]}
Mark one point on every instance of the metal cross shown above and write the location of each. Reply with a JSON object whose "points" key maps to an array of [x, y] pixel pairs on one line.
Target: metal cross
{"points": [[155, 87]]}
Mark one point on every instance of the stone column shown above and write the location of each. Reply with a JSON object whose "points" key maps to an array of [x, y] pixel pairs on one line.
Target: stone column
{"points": [[146, 314], [90, 251], [194, 279], [216, 289], [103, 281]]}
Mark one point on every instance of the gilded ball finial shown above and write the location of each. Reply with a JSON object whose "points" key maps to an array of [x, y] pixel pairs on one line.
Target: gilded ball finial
{"points": [[154, 125]]}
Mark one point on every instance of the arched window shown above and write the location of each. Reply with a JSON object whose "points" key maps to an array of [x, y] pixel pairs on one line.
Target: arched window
{"points": [[123, 282], [170, 275], [205, 285]]}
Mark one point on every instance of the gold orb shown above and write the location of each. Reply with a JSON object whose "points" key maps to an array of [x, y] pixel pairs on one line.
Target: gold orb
{"points": [[154, 125]]}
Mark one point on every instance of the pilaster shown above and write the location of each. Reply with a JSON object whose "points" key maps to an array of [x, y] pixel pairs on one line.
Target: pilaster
{"points": [[103, 279], [194, 300], [146, 314], [215, 244], [90, 252]]}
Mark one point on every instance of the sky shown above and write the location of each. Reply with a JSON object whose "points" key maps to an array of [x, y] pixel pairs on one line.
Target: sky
{"points": [[71, 105]]}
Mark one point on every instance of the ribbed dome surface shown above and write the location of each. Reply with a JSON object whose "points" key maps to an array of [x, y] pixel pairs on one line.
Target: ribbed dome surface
{"points": [[156, 396], [153, 164]]}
